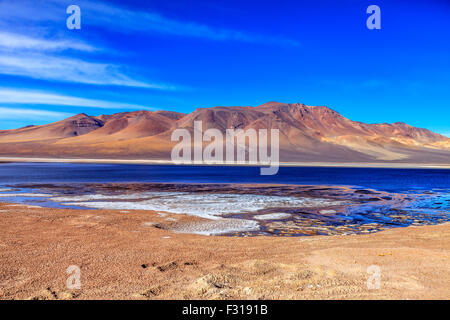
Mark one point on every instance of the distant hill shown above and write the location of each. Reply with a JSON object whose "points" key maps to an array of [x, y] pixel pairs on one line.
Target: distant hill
{"points": [[307, 133]]}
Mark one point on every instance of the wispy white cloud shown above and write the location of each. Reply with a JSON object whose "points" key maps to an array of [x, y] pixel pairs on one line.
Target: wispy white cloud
{"points": [[44, 58], [24, 97], [47, 67], [139, 21], [123, 20], [30, 114], [13, 41]]}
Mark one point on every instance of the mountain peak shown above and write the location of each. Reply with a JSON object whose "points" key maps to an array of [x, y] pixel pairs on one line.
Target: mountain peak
{"points": [[271, 104], [78, 116]]}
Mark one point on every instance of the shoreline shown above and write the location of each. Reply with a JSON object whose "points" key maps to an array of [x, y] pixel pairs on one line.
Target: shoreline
{"points": [[126, 255], [281, 164]]}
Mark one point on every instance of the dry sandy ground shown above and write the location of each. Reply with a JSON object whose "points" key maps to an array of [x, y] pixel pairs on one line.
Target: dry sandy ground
{"points": [[123, 256]]}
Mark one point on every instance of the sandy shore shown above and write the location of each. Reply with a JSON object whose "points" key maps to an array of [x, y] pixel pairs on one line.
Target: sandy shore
{"points": [[131, 255], [281, 164]]}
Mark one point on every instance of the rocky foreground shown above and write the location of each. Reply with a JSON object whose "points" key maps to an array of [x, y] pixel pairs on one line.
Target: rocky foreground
{"points": [[133, 255]]}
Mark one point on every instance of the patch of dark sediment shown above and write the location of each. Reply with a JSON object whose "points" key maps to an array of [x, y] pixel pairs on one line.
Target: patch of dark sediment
{"points": [[334, 192]]}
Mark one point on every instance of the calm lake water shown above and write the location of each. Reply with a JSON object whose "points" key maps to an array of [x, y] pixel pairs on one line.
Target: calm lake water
{"points": [[394, 180], [378, 198]]}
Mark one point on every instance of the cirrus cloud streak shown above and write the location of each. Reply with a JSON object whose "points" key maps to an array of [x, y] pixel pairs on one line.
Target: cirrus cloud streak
{"points": [[15, 96], [46, 67], [30, 114], [14, 41]]}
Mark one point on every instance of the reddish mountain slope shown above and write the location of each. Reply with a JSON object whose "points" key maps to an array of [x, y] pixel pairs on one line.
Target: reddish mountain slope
{"points": [[307, 133], [129, 125], [74, 126]]}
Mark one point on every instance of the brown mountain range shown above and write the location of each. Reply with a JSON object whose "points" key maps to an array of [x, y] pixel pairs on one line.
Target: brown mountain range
{"points": [[307, 133]]}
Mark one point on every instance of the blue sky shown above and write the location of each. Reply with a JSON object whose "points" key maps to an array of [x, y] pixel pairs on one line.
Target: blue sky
{"points": [[182, 55]]}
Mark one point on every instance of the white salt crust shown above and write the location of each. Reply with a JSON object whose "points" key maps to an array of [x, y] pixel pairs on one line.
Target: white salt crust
{"points": [[203, 205], [272, 216]]}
